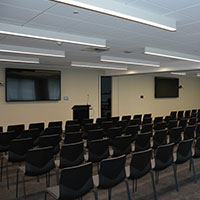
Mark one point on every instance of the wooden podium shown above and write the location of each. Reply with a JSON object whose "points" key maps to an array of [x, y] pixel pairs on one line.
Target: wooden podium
{"points": [[81, 112]]}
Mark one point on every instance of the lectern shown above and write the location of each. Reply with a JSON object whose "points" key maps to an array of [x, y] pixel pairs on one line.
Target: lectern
{"points": [[81, 112]]}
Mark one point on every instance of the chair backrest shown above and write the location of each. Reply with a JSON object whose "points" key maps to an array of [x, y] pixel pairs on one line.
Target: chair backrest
{"points": [[98, 150], [164, 156], [194, 115], [71, 122], [55, 124], [147, 116], [134, 122], [167, 118], [122, 124], [173, 114], [114, 132], [180, 114], [172, 124], [198, 130], [187, 113], [142, 141], [114, 119], [194, 111], [197, 148], [189, 132], [122, 145], [146, 128], [182, 123], [184, 151], [95, 134], [175, 135], [73, 137], [5, 138], [39, 161], [160, 138], [192, 121], [71, 154], [73, 128], [87, 121], [160, 126], [52, 130], [100, 120], [157, 120], [139, 116], [39, 125], [132, 130], [1, 129], [147, 120], [112, 172], [140, 164], [106, 125], [126, 117], [75, 181], [90, 126], [17, 128], [18, 149]]}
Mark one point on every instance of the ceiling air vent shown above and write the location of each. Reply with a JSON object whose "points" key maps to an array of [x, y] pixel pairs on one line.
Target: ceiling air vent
{"points": [[97, 50]]}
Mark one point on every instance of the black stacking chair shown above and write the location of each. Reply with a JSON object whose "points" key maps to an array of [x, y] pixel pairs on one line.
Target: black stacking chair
{"points": [[121, 145], [147, 120], [74, 183], [52, 131], [73, 128], [192, 121], [1, 129], [71, 155], [160, 126], [88, 127], [173, 114], [194, 111], [39, 125], [184, 154], [95, 134], [159, 138], [187, 114], [193, 115], [55, 124], [172, 124], [38, 162], [50, 140], [123, 124], [147, 116], [167, 118], [17, 152], [87, 121], [114, 119], [71, 122], [139, 167], [147, 128], [197, 149], [106, 125], [163, 160], [175, 135], [112, 173], [100, 120], [157, 120], [33, 133], [73, 137], [98, 150], [114, 132], [182, 123], [189, 132], [197, 131], [17, 128], [180, 114], [135, 122], [142, 141], [126, 117], [138, 117], [132, 130]]}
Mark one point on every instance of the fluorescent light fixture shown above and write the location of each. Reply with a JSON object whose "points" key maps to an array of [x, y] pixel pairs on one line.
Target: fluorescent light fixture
{"points": [[198, 74], [179, 73], [96, 66], [34, 33], [19, 59], [171, 54], [129, 61], [125, 12], [31, 51]]}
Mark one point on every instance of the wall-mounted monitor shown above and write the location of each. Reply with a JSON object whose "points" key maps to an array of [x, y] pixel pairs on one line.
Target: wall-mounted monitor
{"points": [[166, 87], [32, 85]]}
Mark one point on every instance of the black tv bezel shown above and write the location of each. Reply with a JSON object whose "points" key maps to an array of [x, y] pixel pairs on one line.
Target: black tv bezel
{"points": [[31, 100], [168, 78]]}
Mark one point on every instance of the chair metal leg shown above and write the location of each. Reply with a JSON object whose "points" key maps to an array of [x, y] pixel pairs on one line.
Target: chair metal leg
{"points": [[194, 171], [154, 186], [157, 176], [45, 195], [133, 182], [136, 185], [24, 187], [57, 176], [17, 180], [95, 194], [7, 176], [1, 168], [109, 193], [128, 190], [38, 179], [175, 177], [190, 165]]}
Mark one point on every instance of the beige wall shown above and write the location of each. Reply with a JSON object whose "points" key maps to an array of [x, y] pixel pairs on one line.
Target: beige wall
{"points": [[128, 89], [75, 83]]}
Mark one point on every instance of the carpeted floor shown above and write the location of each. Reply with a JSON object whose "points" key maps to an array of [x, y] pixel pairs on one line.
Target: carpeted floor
{"points": [[165, 189]]}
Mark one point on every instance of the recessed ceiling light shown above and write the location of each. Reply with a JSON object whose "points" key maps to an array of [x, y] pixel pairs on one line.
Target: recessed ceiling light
{"points": [[171, 54], [178, 73], [125, 12]]}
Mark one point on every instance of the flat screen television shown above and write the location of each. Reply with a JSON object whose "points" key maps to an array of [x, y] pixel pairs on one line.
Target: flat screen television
{"points": [[166, 87], [32, 85]]}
